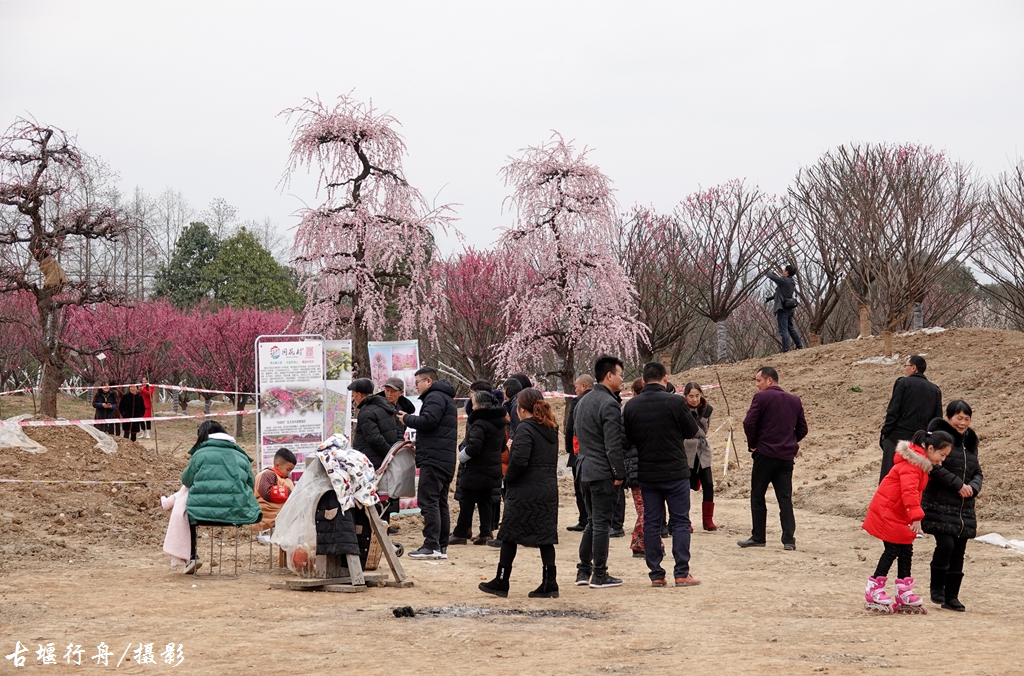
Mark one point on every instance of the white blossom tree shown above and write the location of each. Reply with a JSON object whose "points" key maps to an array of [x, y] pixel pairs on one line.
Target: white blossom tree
{"points": [[367, 248], [572, 298]]}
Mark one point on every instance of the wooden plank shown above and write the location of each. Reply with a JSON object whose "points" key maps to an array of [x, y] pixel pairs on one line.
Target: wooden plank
{"points": [[343, 588], [304, 583], [380, 530], [355, 570], [404, 584]]}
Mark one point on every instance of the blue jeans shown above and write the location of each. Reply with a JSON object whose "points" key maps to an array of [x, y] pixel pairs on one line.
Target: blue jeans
{"points": [[599, 497], [787, 328], [677, 495]]}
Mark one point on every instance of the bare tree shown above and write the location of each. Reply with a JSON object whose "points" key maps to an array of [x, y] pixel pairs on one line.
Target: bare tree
{"points": [[729, 228], [220, 217], [173, 213], [651, 248], [1002, 255], [50, 215]]}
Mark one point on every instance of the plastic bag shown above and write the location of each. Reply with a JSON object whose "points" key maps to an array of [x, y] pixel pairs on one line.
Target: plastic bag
{"points": [[15, 437], [104, 442], [295, 527], [397, 478]]}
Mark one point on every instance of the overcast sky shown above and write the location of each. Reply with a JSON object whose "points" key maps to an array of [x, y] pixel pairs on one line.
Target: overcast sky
{"points": [[669, 96]]}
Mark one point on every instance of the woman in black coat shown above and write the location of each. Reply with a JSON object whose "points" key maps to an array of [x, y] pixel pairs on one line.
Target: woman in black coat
{"points": [[948, 504], [698, 453], [531, 495], [131, 406], [105, 403], [480, 468]]}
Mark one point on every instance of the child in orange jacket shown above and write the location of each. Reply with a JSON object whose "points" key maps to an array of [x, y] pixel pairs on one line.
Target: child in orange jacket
{"points": [[894, 517]]}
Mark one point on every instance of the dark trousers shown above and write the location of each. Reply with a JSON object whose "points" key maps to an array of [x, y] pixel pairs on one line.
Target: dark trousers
{"points": [[130, 430], [619, 519], [600, 502], [778, 473], [581, 505], [949, 552], [706, 480], [509, 550], [432, 498], [902, 554], [787, 329], [677, 495], [888, 451], [483, 501]]}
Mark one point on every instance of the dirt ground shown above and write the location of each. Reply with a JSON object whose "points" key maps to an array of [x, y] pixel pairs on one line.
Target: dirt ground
{"points": [[82, 565]]}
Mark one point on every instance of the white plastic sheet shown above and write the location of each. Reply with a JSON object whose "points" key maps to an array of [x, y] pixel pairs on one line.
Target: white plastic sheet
{"points": [[15, 437], [295, 527], [999, 541], [104, 441]]}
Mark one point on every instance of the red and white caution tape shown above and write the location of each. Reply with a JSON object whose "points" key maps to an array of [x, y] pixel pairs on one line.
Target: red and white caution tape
{"points": [[85, 388], [88, 483], [113, 421]]}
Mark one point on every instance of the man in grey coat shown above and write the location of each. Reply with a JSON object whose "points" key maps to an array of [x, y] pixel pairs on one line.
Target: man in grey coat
{"points": [[784, 305], [601, 467]]}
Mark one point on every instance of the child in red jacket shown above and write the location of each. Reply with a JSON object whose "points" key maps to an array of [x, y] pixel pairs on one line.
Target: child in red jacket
{"points": [[894, 517]]}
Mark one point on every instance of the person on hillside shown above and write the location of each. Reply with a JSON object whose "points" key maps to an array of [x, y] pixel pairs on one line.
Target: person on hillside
{"points": [[774, 426], [583, 385], [698, 452], [105, 401], [146, 391], [784, 304], [376, 422], [531, 496], [437, 429], [602, 469], [480, 469], [915, 402], [131, 406], [948, 504], [221, 485], [658, 424], [894, 517], [273, 487]]}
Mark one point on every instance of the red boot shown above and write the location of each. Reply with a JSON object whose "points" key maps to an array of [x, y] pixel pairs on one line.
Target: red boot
{"points": [[707, 512]]}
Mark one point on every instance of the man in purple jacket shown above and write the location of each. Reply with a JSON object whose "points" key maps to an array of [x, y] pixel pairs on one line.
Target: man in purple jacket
{"points": [[774, 427]]}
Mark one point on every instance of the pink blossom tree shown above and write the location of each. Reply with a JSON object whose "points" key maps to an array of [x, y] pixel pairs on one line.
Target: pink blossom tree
{"points": [[733, 231], [49, 216], [18, 321], [220, 354], [138, 341], [572, 298], [473, 285], [367, 248]]}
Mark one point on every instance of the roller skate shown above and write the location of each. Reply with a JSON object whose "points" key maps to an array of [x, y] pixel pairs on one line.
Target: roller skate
{"points": [[906, 600], [875, 598]]}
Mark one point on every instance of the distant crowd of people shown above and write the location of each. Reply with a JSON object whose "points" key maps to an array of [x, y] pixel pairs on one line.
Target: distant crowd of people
{"points": [[114, 405]]}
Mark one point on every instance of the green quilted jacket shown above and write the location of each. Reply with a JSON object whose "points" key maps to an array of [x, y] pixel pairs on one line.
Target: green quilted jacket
{"points": [[220, 484]]}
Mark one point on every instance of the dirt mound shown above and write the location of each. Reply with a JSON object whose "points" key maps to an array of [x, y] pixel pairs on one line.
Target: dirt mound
{"points": [[845, 403], [60, 520]]}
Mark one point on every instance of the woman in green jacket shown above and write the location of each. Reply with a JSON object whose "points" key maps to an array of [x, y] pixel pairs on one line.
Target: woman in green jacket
{"points": [[221, 485]]}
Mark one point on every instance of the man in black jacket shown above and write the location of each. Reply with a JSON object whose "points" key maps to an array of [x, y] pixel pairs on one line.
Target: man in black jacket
{"points": [[784, 304], [915, 402], [657, 424], [376, 425], [437, 427], [584, 384]]}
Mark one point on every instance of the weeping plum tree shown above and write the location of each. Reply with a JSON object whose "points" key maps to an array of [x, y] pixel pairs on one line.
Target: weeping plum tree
{"points": [[572, 297], [1002, 254], [48, 218], [369, 245], [651, 248], [731, 230]]}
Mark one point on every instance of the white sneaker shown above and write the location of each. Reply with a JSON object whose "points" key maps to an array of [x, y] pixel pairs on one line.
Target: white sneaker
{"points": [[264, 536], [193, 565], [424, 553]]}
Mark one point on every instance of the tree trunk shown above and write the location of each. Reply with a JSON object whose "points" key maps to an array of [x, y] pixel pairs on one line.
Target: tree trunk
{"points": [[240, 400], [53, 363], [360, 350], [918, 316], [723, 341], [207, 403], [666, 361], [815, 340], [887, 340], [865, 321], [568, 371]]}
